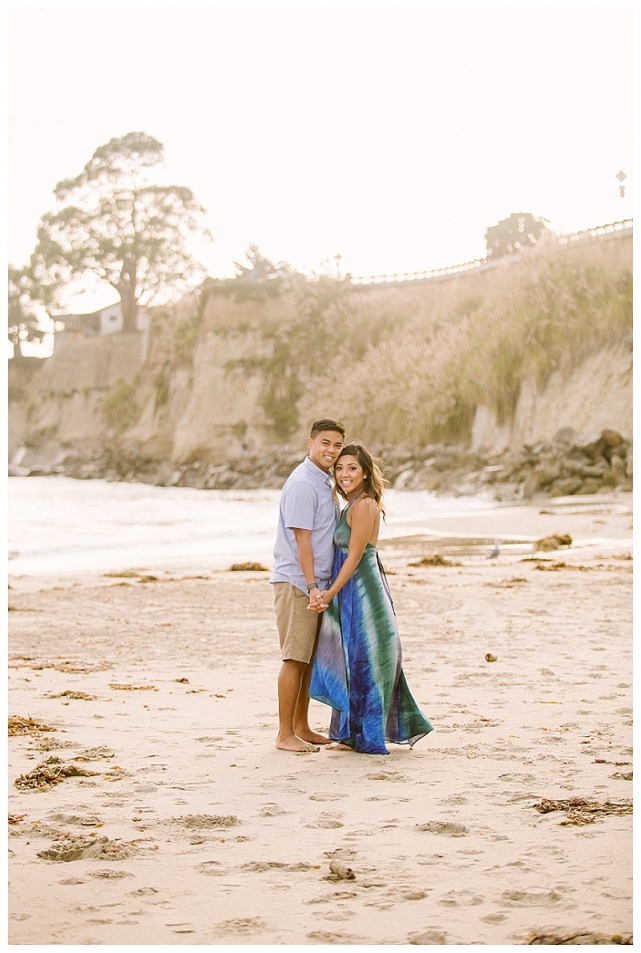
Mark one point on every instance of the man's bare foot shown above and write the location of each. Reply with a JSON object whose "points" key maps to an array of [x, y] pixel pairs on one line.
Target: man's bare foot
{"points": [[313, 737], [337, 746], [293, 743]]}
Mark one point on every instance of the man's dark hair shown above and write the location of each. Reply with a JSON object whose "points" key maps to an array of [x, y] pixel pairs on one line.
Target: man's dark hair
{"points": [[326, 424]]}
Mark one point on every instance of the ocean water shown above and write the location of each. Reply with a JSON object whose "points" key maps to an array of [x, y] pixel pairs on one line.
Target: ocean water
{"points": [[58, 525]]}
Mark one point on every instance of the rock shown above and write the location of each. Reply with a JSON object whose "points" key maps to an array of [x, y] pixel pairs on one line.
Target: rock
{"points": [[342, 871], [448, 828], [612, 437], [428, 938], [426, 479], [547, 473], [612, 478], [566, 487], [589, 486], [443, 461], [403, 477], [566, 436], [597, 470], [550, 543], [530, 486], [617, 464], [248, 567], [576, 463]]}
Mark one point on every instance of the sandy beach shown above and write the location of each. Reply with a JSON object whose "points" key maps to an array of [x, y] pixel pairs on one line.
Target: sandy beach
{"points": [[189, 827]]}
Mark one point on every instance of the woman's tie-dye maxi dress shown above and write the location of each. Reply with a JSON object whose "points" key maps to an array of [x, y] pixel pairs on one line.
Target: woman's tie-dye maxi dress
{"points": [[357, 666]]}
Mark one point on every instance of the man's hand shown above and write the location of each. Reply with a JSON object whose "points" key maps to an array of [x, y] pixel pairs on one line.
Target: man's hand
{"points": [[320, 600]]}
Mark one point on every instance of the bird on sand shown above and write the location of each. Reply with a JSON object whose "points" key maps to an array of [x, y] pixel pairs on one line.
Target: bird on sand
{"points": [[496, 551]]}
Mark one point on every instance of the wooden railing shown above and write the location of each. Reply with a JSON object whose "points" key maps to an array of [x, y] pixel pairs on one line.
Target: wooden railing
{"points": [[612, 230]]}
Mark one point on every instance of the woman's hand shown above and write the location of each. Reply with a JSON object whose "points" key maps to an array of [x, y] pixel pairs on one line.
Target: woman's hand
{"points": [[320, 601]]}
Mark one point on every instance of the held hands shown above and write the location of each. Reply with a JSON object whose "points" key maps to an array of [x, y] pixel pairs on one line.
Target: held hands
{"points": [[318, 601]]}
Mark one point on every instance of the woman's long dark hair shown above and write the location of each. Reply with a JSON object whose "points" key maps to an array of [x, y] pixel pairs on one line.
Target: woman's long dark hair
{"points": [[374, 479]]}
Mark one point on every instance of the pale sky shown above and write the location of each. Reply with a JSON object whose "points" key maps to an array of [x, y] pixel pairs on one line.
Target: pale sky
{"points": [[393, 137]]}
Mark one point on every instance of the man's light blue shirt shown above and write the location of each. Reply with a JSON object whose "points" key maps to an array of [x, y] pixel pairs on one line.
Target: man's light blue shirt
{"points": [[307, 502]]}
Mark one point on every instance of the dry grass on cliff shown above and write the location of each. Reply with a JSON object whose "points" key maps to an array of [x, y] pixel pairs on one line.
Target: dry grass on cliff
{"points": [[424, 379], [411, 364]]}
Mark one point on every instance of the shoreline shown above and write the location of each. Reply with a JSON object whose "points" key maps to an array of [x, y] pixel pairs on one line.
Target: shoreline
{"points": [[213, 836]]}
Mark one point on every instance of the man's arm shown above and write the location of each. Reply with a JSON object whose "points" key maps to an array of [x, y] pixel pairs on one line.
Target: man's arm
{"points": [[303, 539]]}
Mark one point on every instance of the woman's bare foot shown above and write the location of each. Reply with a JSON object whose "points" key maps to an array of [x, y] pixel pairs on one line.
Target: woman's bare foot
{"points": [[293, 743], [337, 746]]}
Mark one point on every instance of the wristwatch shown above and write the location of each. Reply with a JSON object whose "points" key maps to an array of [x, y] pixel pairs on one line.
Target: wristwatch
{"points": [[312, 585]]}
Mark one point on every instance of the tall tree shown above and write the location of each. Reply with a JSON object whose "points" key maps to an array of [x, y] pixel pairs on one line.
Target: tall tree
{"points": [[22, 309], [520, 230], [115, 223]]}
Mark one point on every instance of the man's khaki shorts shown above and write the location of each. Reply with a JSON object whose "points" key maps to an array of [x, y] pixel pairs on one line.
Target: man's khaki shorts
{"points": [[297, 625]]}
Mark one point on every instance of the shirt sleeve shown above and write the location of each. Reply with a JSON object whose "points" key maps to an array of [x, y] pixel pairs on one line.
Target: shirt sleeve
{"points": [[299, 507]]}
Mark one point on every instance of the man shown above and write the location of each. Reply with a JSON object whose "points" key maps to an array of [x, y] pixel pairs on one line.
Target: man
{"points": [[303, 555]]}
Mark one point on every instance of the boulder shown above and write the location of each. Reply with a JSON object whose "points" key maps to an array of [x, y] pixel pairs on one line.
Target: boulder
{"points": [[566, 436], [612, 437], [547, 473], [611, 478], [597, 470], [566, 487], [617, 464], [530, 486], [590, 485]]}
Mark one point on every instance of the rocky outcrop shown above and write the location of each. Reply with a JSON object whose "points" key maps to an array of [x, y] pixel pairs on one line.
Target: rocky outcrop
{"points": [[594, 395], [571, 464]]}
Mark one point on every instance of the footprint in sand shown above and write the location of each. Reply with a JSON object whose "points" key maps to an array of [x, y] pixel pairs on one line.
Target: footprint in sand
{"points": [[261, 866], [242, 927], [429, 937], [494, 918], [525, 898], [448, 828], [77, 847], [106, 873], [387, 776], [338, 915], [272, 810], [326, 797], [199, 822], [433, 859], [336, 939], [212, 868], [89, 820], [327, 821], [341, 853], [460, 898]]}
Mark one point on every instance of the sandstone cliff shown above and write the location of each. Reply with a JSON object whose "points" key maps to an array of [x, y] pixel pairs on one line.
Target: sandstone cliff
{"points": [[487, 363]]}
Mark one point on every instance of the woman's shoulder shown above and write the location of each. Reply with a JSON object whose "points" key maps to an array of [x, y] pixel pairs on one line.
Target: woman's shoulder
{"points": [[365, 506]]}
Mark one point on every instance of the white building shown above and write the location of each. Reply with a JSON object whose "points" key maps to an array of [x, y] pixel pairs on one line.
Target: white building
{"points": [[105, 321]]}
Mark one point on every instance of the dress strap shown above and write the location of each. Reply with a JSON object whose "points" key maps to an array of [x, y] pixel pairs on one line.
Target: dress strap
{"points": [[354, 500]]}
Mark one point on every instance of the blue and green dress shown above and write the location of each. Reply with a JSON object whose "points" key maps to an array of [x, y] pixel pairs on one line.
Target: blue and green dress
{"points": [[357, 666]]}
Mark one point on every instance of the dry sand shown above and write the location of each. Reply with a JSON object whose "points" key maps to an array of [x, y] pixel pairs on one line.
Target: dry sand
{"points": [[194, 829]]}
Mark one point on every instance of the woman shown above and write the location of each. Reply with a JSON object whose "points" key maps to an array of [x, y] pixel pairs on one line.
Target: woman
{"points": [[357, 667]]}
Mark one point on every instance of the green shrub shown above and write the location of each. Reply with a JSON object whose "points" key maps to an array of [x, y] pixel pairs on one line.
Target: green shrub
{"points": [[120, 409]]}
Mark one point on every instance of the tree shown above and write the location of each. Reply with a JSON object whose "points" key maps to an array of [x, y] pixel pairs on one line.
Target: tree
{"points": [[520, 230], [258, 280], [23, 299], [114, 223]]}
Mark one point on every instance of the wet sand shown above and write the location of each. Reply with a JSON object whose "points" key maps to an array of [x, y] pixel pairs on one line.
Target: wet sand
{"points": [[193, 829]]}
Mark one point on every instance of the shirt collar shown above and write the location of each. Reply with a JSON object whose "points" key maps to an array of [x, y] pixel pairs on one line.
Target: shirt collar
{"points": [[317, 473]]}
